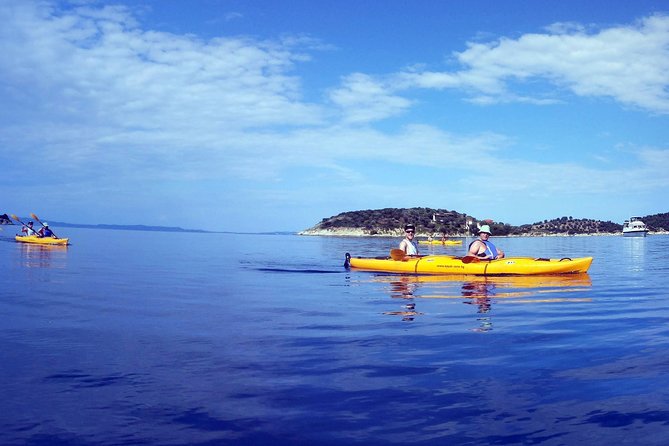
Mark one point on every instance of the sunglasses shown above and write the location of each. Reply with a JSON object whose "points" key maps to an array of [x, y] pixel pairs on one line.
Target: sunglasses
{"points": [[409, 232]]}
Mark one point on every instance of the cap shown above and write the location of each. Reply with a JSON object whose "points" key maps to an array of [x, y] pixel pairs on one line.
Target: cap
{"points": [[485, 228], [409, 226], [45, 224]]}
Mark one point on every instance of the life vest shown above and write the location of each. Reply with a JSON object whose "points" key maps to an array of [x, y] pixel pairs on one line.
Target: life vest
{"points": [[412, 250], [490, 249]]}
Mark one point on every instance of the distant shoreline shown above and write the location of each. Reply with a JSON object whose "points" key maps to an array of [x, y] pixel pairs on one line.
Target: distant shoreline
{"points": [[357, 232]]}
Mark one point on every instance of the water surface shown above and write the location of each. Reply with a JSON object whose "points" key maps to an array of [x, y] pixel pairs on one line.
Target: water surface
{"points": [[157, 338]]}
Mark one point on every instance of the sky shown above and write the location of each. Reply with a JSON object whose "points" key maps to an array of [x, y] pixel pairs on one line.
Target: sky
{"points": [[264, 115]]}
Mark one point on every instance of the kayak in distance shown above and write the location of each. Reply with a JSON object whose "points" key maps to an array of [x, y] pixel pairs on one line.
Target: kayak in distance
{"points": [[41, 240], [439, 242], [439, 264]]}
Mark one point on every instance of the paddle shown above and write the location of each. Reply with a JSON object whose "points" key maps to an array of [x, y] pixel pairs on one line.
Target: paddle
{"points": [[470, 259], [40, 222], [19, 220], [397, 254]]}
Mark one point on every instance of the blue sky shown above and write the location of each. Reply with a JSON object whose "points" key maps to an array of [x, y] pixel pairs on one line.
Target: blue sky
{"points": [[270, 115]]}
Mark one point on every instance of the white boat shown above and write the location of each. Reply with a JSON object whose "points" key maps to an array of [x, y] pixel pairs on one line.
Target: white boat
{"points": [[634, 227]]}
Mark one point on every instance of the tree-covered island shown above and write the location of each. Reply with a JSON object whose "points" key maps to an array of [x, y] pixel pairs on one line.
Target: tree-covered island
{"points": [[434, 222]]}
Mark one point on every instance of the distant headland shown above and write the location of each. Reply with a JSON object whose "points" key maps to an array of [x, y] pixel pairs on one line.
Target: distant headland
{"points": [[6, 220], [389, 222]]}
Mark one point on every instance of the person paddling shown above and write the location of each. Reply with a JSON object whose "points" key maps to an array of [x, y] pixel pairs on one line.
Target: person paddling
{"points": [[483, 248], [407, 244], [45, 231], [28, 229]]}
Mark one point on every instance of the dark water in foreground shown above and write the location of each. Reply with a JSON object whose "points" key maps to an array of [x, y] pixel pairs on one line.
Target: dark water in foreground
{"points": [[205, 339]]}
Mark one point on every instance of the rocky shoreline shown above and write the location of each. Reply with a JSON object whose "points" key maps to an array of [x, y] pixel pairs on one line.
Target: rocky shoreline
{"points": [[360, 232]]}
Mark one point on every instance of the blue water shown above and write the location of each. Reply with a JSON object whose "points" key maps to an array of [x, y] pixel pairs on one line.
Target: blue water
{"points": [[128, 338]]}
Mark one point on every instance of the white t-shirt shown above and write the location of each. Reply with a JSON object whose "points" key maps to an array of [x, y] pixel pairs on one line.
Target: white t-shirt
{"points": [[411, 250]]}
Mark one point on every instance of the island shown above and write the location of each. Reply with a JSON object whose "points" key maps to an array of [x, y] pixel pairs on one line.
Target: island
{"points": [[389, 222]]}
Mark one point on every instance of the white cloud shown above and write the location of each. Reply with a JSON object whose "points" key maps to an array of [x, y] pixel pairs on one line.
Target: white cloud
{"points": [[363, 99], [233, 16], [88, 87], [626, 63], [97, 65], [113, 103]]}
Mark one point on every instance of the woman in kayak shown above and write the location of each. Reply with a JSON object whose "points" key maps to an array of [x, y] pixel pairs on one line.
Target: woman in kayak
{"points": [[407, 244], [483, 248], [45, 231]]}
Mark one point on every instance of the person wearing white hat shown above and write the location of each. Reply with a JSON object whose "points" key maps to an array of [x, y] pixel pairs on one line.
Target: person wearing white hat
{"points": [[45, 231], [483, 248]]}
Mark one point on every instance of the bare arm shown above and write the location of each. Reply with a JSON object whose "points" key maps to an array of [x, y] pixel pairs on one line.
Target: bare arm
{"points": [[475, 247], [479, 247]]}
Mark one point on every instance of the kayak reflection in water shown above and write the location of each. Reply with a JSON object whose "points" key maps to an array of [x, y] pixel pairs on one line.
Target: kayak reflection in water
{"points": [[478, 293], [404, 289]]}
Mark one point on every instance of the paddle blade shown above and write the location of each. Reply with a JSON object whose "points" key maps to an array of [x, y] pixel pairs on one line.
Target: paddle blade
{"points": [[397, 254], [17, 219], [34, 216], [470, 259]]}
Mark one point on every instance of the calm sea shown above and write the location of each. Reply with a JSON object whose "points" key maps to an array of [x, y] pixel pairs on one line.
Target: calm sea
{"points": [[128, 338]]}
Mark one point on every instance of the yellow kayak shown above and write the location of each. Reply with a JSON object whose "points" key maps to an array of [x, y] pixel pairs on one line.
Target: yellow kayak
{"points": [[41, 240], [455, 265], [439, 242]]}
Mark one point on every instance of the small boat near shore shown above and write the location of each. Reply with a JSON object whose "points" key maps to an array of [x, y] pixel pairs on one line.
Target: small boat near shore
{"points": [[634, 227], [41, 240]]}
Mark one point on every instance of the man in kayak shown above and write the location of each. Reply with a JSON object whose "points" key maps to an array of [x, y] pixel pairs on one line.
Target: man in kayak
{"points": [[407, 244], [28, 229], [45, 231], [483, 248]]}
